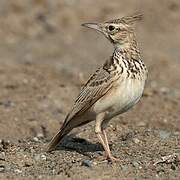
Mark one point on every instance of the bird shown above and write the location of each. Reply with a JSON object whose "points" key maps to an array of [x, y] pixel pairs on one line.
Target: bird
{"points": [[114, 88]]}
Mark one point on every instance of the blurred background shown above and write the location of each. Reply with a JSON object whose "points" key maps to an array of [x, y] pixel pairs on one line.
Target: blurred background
{"points": [[44, 50], [45, 57]]}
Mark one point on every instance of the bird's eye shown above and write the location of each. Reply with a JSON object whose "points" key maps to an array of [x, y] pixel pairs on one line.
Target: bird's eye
{"points": [[111, 28]]}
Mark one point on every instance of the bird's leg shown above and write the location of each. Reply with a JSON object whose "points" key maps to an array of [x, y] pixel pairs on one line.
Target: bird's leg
{"points": [[101, 134], [106, 141], [108, 154], [98, 131]]}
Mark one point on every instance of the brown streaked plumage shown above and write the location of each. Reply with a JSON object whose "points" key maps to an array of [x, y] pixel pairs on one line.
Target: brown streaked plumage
{"points": [[113, 88]]}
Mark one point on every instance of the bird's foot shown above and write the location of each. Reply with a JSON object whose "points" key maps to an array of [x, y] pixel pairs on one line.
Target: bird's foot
{"points": [[113, 159]]}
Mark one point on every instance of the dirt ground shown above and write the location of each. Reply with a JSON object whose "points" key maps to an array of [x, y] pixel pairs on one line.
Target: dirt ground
{"points": [[45, 57]]}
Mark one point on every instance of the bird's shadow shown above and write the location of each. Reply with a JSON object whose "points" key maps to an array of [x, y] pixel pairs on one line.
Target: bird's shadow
{"points": [[80, 145]]}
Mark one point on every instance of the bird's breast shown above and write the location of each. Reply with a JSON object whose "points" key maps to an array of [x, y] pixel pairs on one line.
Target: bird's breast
{"points": [[121, 97]]}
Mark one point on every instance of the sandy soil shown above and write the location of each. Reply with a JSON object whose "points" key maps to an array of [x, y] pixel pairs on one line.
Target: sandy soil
{"points": [[45, 57]]}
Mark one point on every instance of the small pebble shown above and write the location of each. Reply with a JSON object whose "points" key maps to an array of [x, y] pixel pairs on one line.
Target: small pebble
{"points": [[7, 103], [35, 139], [4, 144], [141, 124], [173, 167], [165, 120], [147, 93], [124, 167], [43, 157], [39, 157], [40, 135], [136, 140], [176, 133], [18, 171], [135, 164], [2, 168], [86, 163], [2, 156], [164, 90], [28, 163], [164, 134], [25, 81]]}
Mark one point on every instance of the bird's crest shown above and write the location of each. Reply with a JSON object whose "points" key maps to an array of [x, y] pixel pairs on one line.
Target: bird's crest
{"points": [[127, 19]]}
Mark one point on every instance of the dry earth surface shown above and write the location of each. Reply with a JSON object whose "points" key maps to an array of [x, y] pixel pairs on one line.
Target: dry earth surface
{"points": [[45, 57]]}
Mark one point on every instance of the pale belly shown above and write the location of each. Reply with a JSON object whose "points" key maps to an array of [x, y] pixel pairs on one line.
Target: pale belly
{"points": [[121, 98]]}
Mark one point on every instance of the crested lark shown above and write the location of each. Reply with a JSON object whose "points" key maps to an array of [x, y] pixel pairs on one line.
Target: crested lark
{"points": [[114, 88]]}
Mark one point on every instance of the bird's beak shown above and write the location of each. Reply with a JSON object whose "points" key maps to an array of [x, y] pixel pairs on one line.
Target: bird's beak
{"points": [[95, 26]]}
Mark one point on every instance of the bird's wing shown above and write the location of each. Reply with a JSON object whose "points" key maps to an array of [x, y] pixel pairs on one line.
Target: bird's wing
{"points": [[97, 86]]}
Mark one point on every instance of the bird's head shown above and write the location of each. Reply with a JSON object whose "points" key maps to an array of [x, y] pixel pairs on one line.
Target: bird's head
{"points": [[118, 31]]}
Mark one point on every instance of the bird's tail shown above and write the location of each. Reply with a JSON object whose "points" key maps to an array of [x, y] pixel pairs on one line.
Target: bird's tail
{"points": [[65, 129], [55, 141]]}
